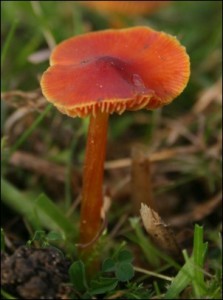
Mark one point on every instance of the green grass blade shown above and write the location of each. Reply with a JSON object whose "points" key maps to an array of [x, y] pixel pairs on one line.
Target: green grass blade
{"points": [[148, 249], [153, 255], [28, 132], [180, 282], [191, 272], [68, 187], [199, 252], [2, 240], [17, 201], [42, 20], [8, 41], [6, 295], [46, 207], [40, 213]]}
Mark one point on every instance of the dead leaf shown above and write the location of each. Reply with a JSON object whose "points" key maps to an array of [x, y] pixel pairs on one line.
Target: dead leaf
{"points": [[159, 232]]}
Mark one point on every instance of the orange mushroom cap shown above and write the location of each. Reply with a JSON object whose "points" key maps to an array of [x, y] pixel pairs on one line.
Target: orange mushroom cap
{"points": [[125, 7], [114, 71]]}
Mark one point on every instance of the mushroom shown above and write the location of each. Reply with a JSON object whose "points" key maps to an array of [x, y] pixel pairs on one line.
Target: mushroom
{"points": [[117, 11], [110, 71], [131, 8]]}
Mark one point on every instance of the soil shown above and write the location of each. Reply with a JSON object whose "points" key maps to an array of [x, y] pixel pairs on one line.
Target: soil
{"points": [[34, 273]]}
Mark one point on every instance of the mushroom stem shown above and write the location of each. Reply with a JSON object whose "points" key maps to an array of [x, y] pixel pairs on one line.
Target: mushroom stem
{"points": [[92, 196]]}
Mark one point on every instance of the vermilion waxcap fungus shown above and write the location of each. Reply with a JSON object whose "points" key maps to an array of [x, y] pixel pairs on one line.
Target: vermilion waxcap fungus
{"points": [[115, 70], [125, 7], [111, 71]]}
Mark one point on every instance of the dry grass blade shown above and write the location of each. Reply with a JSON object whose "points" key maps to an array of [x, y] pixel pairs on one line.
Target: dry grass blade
{"points": [[18, 116], [32, 100], [141, 184], [198, 213], [209, 95]]}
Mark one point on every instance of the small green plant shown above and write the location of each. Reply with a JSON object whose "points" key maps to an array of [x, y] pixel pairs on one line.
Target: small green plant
{"points": [[115, 275], [44, 239], [120, 265]]}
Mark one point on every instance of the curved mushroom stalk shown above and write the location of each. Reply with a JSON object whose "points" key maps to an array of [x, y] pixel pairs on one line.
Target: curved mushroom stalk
{"points": [[92, 196]]}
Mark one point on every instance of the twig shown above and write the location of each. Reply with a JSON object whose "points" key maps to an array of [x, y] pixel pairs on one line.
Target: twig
{"points": [[153, 157], [150, 273], [198, 213]]}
